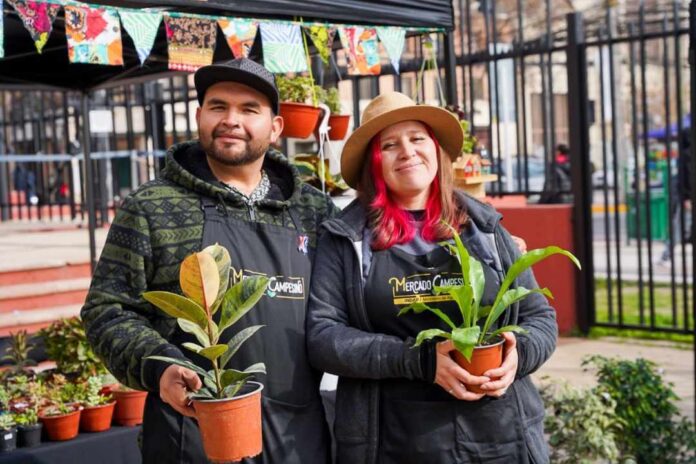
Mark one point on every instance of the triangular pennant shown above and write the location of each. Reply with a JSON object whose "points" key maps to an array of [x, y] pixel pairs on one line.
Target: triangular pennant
{"points": [[191, 41], [322, 38], [240, 34], [38, 19], [282, 48], [94, 35], [360, 44], [393, 39], [142, 27]]}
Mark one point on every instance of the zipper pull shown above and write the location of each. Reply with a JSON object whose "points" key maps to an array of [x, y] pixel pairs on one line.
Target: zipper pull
{"points": [[252, 215]]}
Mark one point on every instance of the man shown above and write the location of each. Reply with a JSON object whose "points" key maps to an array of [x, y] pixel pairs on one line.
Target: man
{"points": [[228, 188]]}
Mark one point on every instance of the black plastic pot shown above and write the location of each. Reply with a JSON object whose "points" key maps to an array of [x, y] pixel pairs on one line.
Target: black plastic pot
{"points": [[8, 440], [29, 435]]}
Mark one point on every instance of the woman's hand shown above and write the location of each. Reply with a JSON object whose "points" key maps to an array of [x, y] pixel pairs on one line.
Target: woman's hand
{"points": [[505, 374], [451, 377]]}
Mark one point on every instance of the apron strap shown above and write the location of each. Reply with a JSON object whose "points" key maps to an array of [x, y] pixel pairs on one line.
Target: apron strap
{"points": [[218, 204], [293, 217]]}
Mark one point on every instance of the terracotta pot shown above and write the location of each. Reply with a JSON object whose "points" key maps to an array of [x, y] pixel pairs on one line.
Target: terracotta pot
{"points": [[300, 119], [339, 126], [97, 418], [29, 435], [231, 428], [63, 427], [130, 405], [483, 359]]}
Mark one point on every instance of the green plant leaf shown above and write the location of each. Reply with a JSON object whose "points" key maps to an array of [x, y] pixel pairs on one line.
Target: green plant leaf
{"points": [[223, 262], [236, 342], [178, 307], [200, 280], [190, 327], [240, 299], [182, 363], [430, 334], [213, 352], [192, 347], [210, 384], [507, 328], [230, 376], [465, 340], [258, 368], [202, 394], [478, 283], [462, 295], [231, 390], [418, 307], [511, 296], [483, 312]]}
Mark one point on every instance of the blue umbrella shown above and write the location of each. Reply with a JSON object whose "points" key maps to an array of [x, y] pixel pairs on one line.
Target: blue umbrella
{"points": [[661, 133]]}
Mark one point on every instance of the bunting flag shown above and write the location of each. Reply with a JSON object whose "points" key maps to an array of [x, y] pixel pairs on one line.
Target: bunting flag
{"points": [[142, 27], [94, 35], [322, 38], [38, 19], [393, 39], [282, 48], [191, 42], [240, 34], [362, 51]]}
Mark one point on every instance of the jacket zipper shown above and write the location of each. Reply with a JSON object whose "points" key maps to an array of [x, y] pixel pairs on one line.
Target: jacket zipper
{"points": [[252, 214]]}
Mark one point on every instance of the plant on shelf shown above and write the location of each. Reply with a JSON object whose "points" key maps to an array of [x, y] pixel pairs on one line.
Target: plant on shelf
{"points": [[299, 118], [206, 311], [469, 143], [130, 405], [8, 432], [62, 417], [338, 122], [98, 407], [4, 399], [67, 345], [28, 426], [475, 335], [311, 172], [17, 352]]}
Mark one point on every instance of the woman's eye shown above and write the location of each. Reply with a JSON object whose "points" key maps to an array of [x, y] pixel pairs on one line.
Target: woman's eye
{"points": [[387, 146]]}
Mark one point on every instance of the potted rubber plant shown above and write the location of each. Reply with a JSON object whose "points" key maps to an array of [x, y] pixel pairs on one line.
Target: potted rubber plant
{"points": [[8, 432], [338, 122], [28, 427], [97, 407], [299, 118], [479, 347], [61, 418], [130, 406], [228, 406]]}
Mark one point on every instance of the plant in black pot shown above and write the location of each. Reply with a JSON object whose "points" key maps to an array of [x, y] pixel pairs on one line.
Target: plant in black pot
{"points": [[28, 427], [8, 432]]}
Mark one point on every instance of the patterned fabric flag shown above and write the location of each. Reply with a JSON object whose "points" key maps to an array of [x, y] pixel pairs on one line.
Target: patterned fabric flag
{"points": [[393, 39], [37, 18], [94, 35], [142, 27], [361, 44], [240, 34], [191, 42], [322, 38], [282, 48]]}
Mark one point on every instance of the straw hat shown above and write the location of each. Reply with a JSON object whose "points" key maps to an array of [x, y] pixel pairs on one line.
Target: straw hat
{"points": [[391, 108]]}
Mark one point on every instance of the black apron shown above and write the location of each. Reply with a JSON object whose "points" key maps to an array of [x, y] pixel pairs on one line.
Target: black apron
{"points": [[420, 422], [294, 428]]}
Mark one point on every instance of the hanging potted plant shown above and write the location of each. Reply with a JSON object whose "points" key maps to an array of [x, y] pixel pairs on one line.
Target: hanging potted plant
{"points": [[28, 427], [312, 172], [479, 348], [130, 405], [62, 418], [8, 433], [299, 118], [338, 122], [97, 407], [228, 406]]}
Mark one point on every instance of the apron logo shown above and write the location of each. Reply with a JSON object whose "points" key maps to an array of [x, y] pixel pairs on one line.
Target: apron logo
{"points": [[419, 287], [279, 286], [302, 243]]}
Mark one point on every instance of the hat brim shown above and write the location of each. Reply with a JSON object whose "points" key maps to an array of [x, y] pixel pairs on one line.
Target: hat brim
{"points": [[212, 74], [444, 125]]}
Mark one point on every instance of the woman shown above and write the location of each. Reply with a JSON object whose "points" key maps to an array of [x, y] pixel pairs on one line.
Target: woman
{"points": [[396, 403]]}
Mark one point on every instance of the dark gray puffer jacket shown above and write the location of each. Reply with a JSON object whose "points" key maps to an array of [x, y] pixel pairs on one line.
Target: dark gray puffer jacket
{"points": [[341, 342]]}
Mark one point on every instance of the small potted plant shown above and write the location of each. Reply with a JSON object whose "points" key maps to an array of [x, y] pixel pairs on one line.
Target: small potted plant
{"points": [[98, 408], [28, 427], [61, 418], [338, 122], [311, 172], [228, 407], [67, 345], [8, 432], [299, 118], [17, 352], [479, 348], [130, 405]]}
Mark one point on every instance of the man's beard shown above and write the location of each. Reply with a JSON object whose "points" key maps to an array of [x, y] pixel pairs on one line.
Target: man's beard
{"points": [[252, 151]]}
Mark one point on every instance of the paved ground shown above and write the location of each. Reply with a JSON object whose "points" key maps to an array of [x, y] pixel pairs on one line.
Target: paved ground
{"points": [[25, 245]]}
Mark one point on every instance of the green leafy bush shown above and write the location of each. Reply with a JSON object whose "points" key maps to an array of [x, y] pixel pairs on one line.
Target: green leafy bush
{"points": [[330, 98], [296, 89], [28, 416], [89, 393], [67, 345], [7, 421], [654, 431]]}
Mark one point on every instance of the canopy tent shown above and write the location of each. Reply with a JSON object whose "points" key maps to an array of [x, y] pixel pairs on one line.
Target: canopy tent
{"points": [[23, 67]]}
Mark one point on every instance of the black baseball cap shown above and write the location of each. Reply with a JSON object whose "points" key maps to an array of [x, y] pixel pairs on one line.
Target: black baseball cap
{"points": [[241, 70]]}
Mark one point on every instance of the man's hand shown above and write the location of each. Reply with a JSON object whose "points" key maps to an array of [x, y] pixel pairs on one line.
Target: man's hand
{"points": [[451, 377], [175, 382], [504, 374]]}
